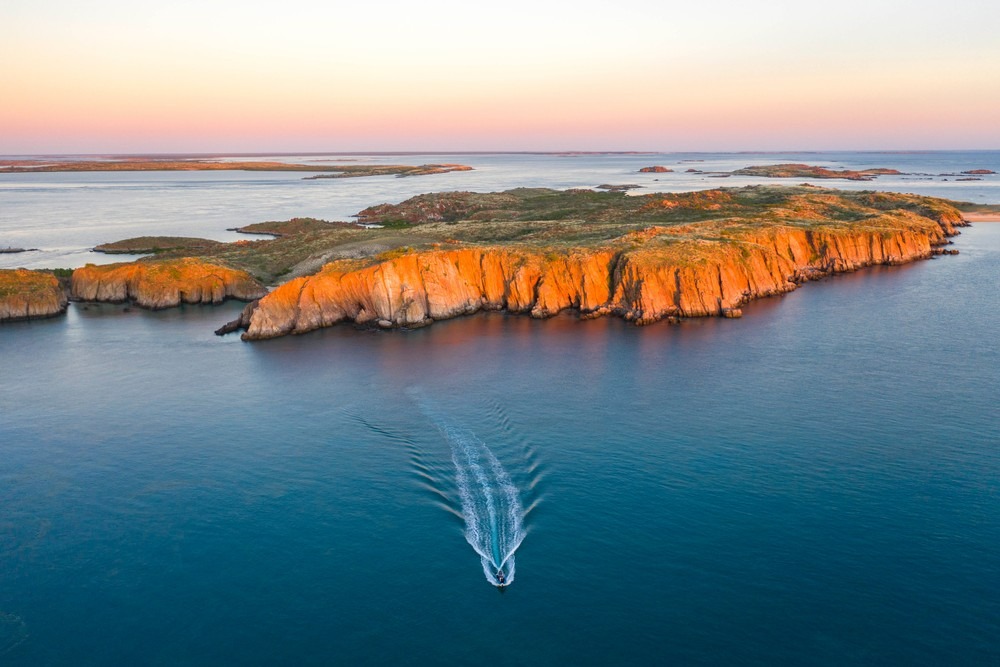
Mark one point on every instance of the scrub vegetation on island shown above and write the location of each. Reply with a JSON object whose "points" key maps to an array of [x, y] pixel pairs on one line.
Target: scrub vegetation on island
{"points": [[533, 250], [141, 164]]}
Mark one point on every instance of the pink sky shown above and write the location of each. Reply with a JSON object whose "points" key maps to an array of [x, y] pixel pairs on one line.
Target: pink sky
{"points": [[110, 77]]}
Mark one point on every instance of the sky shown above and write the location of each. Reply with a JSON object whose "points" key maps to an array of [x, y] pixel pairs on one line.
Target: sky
{"points": [[105, 76]]}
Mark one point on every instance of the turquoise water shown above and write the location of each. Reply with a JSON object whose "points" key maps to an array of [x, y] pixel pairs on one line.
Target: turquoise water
{"points": [[816, 483]]}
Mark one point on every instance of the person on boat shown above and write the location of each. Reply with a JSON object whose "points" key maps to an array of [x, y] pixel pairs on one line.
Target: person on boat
{"points": [[500, 577]]}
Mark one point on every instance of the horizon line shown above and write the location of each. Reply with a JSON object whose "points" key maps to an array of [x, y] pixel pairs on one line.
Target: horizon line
{"points": [[272, 153]]}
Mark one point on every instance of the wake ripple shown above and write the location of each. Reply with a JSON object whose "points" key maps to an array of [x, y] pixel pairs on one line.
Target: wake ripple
{"points": [[490, 502]]}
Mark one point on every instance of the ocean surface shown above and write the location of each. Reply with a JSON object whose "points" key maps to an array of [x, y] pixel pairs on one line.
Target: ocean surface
{"points": [[817, 483]]}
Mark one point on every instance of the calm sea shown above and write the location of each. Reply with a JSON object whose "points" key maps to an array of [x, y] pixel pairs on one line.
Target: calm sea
{"points": [[816, 483]]}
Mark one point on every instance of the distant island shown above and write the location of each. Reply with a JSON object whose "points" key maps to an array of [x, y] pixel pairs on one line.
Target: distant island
{"points": [[138, 164], [398, 170], [790, 170], [145, 245], [809, 171], [532, 250]]}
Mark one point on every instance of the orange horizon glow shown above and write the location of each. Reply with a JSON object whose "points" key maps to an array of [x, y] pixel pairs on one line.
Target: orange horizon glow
{"points": [[115, 81]]}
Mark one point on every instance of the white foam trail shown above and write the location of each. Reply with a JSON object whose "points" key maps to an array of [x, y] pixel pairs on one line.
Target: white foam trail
{"points": [[491, 505]]}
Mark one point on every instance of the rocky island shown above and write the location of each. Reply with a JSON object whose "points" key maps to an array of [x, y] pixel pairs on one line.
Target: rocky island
{"points": [[145, 245], [532, 250], [642, 258], [26, 295], [398, 170], [163, 284], [142, 164], [810, 171]]}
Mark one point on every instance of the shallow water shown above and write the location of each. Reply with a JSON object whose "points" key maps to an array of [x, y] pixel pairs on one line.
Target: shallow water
{"points": [[816, 483]]}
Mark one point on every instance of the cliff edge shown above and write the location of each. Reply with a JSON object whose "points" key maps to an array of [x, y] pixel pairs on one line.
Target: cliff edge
{"points": [[26, 295], [163, 284], [657, 272]]}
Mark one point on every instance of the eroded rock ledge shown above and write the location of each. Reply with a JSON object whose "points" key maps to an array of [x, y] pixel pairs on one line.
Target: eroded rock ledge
{"points": [[163, 284], [648, 275], [27, 295]]}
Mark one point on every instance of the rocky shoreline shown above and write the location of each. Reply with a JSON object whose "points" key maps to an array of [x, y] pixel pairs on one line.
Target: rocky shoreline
{"points": [[641, 285], [158, 285], [30, 295], [642, 258]]}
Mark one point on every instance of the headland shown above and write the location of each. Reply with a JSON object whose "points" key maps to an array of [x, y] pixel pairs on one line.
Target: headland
{"points": [[537, 251]]}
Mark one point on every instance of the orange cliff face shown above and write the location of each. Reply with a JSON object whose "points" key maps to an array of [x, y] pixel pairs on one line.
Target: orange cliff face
{"points": [[163, 284], [646, 276], [26, 295]]}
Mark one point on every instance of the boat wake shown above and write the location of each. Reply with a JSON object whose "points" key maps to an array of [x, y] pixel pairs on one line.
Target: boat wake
{"points": [[490, 502], [494, 517], [475, 487]]}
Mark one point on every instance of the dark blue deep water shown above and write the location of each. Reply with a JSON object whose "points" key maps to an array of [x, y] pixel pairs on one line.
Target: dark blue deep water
{"points": [[817, 483]]}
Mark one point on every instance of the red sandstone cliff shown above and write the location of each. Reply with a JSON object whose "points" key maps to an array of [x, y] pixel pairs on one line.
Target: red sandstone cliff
{"points": [[26, 295], [163, 284], [660, 272]]}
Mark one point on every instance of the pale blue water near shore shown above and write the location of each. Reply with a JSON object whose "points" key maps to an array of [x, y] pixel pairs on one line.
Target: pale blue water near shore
{"points": [[817, 483], [63, 215]]}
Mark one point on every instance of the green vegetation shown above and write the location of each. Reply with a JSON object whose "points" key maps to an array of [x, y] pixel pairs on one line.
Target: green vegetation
{"points": [[291, 227], [394, 253], [338, 171], [143, 245], [970, 207], [24, 283], [398, 170], [810, 171], [557, 222], [62, 275]]}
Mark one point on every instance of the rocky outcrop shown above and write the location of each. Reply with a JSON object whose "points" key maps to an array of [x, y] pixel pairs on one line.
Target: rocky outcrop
{"points": [[241, 322], [26, 295], [811, 171], [645, 276], [655, 170], [163, 284]]}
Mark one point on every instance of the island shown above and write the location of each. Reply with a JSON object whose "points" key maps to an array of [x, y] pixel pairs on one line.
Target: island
{"points": [[163, 284], [27, 295], [399, 170], [624, 187], [144, 164], [537, 251], [144, 245], [655, 170], [810, 171], [643, 258]]}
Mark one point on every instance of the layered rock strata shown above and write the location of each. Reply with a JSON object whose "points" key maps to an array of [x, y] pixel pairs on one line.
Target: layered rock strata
{"points": [[26, 295], [644, 276], [163, 284]]}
